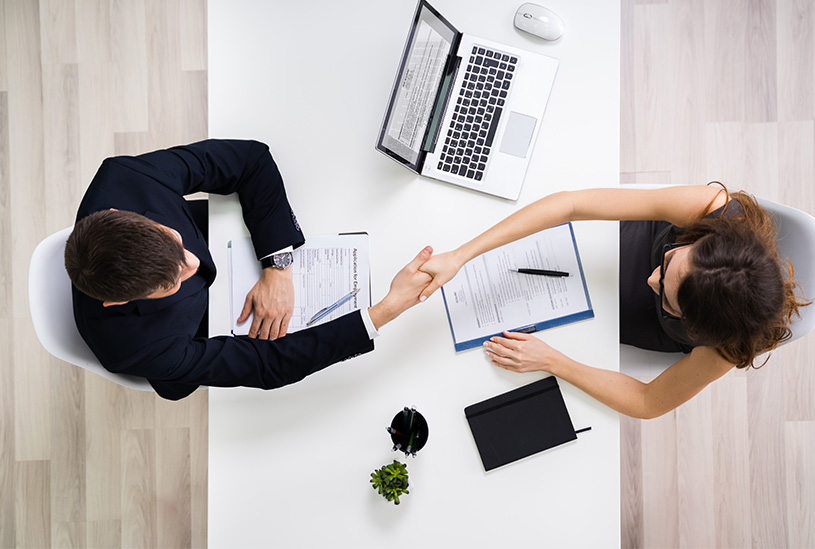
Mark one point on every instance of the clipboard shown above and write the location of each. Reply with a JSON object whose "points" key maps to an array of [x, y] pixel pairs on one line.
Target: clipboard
{"points": [[485, 297], [324, 269], [520, 423]]}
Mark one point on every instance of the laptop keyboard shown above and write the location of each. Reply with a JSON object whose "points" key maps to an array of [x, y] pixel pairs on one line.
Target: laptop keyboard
{"points": [[478, 109]]}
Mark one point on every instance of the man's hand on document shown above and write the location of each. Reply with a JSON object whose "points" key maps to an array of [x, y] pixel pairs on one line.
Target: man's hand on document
{"points": [[272, 301]]}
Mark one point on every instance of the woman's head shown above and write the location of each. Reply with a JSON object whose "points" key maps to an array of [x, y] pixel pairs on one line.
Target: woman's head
{"points": [[736, 295]]}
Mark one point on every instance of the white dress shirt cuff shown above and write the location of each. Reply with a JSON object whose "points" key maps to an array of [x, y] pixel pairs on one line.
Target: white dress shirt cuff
{"points": [[369, 324], [286, 249]]}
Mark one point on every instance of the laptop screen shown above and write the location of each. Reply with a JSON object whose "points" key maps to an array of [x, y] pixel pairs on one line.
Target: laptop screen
{"points": [[424, 75]]}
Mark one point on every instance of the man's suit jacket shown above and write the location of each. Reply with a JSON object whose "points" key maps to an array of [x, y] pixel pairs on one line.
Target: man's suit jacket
{"points": [[156, 338]]}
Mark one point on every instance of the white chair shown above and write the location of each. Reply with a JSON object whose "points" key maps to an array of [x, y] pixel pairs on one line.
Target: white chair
{"points": [[49, 296], [796, 241]]}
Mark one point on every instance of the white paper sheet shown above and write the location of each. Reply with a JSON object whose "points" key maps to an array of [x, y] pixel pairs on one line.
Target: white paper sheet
{"points": [[485, 297], [324, 269]]}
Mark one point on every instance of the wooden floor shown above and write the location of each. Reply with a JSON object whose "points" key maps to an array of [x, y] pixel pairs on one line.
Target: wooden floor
{"points": [[710, 90], [84, 462], [715, 90]]}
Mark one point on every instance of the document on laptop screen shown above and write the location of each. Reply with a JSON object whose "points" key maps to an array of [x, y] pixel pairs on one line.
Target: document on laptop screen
{"points": [[324, 269], [413, 99], [486, 297], [417, 90]]}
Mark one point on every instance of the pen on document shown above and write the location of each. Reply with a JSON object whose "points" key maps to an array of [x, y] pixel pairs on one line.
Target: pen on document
{"points": [[541, 272], [323, 312]]}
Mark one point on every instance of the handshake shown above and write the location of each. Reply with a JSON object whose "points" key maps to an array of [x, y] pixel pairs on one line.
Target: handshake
{"points": [[417, 281]]}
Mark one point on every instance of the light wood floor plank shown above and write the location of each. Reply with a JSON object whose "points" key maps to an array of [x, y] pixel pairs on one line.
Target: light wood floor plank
{"points": [[731, 483], [68, 535], [796, 164], [26, 177], [103, 534], [32, 504], [654, 86], [7, 453], [659, 469], [103, 456], [6, 228], [628, 149], [4, 61], [193, 35], [760, 74], [173, 491], [631, 482], [199, 472], [688, 106], [32, 395], [58, 32], [800, 447], [796, 59], [129, 66], [68, 448], [767, 461], [139, 498], [61, 138], [695, 472], [725, 40]]}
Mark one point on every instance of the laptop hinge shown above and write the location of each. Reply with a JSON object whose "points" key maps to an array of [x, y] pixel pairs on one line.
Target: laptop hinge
{"points": [[442, 100]]}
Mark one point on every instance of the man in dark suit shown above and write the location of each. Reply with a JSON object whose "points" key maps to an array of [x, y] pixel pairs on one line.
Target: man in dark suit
{"points": [[141, 267]]}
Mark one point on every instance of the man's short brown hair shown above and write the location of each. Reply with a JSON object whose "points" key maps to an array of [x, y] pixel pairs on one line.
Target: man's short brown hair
{"points": [[115, 255]]}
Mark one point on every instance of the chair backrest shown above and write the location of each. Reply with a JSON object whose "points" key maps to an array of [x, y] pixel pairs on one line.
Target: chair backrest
{"points": [[49, 296], [796, 241]]}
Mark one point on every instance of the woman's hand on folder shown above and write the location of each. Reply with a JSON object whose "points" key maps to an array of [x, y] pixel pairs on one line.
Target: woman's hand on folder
{"points": [[520, 352]]}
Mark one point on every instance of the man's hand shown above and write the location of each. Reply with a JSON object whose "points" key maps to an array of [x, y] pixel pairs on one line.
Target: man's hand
{"points": [[405, 290], [272, 301]]}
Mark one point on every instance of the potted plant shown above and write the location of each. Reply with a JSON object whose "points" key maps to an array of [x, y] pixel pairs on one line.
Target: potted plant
{"points": [[391, 481]]}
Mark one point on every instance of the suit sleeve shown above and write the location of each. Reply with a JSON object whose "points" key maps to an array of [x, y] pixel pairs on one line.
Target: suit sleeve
{"points": [[179, 367], [224, 167]]}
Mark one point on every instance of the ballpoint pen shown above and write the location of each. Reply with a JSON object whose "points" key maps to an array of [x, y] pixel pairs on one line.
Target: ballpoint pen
{"points": [[323, 312], [541, 272]]}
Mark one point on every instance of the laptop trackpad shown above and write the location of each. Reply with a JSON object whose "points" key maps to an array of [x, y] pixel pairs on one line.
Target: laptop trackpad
{"points": [[518, 134]]}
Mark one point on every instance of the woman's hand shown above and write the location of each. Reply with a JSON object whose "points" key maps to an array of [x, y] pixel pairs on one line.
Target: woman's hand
{"points": [[442, 268], [520, 352]]}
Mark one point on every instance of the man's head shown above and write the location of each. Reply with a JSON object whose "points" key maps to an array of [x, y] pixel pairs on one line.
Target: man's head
{"points": [[118, 256]]}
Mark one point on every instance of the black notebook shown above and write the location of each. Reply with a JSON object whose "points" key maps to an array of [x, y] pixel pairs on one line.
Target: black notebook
{"points": [[520, 423]]}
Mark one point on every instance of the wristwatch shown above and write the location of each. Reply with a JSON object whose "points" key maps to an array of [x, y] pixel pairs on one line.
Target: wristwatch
{"points": [[279, 260]]}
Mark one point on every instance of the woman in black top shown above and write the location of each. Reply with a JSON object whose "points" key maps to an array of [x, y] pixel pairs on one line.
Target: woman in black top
{"points": [[703, 277]]}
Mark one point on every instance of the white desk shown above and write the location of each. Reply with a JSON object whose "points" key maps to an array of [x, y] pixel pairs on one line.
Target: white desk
{"points": [[290, 467]]}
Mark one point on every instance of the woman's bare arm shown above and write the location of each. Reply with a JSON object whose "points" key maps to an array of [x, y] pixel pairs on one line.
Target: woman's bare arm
{"points": [[678, 205], [679, 383]]}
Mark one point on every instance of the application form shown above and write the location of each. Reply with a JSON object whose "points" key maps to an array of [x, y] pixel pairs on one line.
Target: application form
{"points": [[486, 297]]}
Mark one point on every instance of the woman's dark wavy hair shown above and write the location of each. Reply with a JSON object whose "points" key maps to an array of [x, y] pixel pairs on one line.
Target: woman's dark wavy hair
{"points": [[116, 255], [738, 297]]}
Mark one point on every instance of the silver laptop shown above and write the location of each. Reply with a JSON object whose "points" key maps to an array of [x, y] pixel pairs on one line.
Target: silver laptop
{"points": [[464, 109]]}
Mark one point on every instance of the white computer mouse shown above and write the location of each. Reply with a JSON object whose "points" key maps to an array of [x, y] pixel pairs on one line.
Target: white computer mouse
{"points": [[539, 21]]}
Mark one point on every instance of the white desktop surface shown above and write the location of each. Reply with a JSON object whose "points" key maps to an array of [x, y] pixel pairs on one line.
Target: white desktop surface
{"points": [[291, 467]]}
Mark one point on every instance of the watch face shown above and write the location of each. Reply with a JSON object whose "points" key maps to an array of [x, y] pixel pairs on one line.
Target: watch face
{"points": [[281, 261]]}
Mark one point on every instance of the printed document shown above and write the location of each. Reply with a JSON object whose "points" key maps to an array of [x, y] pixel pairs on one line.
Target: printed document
{"points": [[486, 297], [324, 269]]}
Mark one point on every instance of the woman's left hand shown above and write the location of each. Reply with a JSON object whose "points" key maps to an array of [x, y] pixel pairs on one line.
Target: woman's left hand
{"points": [[520, 352]]}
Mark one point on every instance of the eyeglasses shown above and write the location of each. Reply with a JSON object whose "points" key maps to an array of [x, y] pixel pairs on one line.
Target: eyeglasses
{"points": [[665, 314]]}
